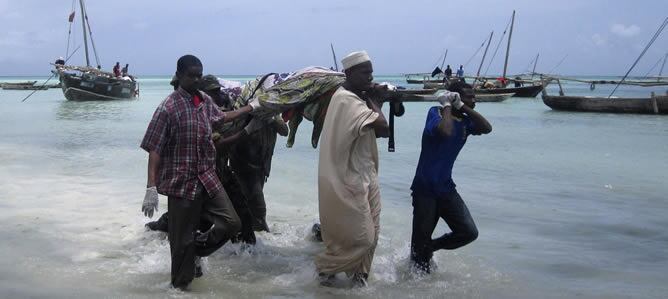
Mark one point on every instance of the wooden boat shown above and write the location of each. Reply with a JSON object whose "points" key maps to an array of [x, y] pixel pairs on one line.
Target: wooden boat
{"points": [[427, 91], [530, 91], [520, 92], [85, 83], [90, 84], [25, 87], [433, 98], [651, 105], [12, 85], [423, 78], [498, 97]]}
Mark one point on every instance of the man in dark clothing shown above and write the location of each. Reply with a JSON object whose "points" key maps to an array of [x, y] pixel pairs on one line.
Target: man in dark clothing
{"points": [[448, 72], [224, 143], [117, 69], [124, 70], [181, 166], [434, 194], [211, 86], [250, 159]]}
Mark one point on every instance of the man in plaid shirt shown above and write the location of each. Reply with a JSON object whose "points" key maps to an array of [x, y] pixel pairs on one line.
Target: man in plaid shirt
{"points": [[182, 167]]}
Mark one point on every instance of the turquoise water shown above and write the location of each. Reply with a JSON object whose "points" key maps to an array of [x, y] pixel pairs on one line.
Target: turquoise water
{"points": [[567, 205]]}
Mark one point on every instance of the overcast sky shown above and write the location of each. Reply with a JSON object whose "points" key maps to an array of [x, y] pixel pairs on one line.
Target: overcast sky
{"points": [[253, 37]]}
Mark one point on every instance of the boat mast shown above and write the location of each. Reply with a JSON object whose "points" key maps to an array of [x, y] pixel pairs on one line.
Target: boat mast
{"points": [[444, 56], [483, 58], [336, 65], [510, 36], [534, 65], [83, 25]]}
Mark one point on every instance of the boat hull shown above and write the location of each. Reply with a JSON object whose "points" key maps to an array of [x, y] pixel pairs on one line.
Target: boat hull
{"points": [[422, 81], [92, 87], [613, 105], [489, 98], [519, 92]]}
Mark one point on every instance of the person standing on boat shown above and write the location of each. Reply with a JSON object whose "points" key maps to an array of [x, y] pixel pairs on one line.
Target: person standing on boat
{"points": [[124, 71], [348, 189], [460, 71], [60, 61], [434, 194], [117, 69], [448, 72], [181, 165]]}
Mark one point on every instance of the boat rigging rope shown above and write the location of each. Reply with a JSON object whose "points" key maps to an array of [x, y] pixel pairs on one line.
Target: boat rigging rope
{"points": [[656, 35], [651, 69], [90, 33], [528, 67], [476, 52], [558, 64], [437, 60], [52, 75], [497, 48]]}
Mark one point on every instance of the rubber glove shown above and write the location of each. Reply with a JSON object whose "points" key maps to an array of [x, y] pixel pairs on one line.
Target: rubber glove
{"points": [[254, 103], [150, 203]]}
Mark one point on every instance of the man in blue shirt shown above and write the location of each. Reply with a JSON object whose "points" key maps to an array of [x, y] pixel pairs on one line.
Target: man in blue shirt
{"points": [[434, 193]]}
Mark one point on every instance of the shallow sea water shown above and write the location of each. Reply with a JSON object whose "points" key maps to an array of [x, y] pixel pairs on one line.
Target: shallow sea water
{"points": [[567, 205]]}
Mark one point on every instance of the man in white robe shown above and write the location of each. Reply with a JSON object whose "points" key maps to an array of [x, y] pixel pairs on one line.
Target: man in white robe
{"points": [[348, 191]]}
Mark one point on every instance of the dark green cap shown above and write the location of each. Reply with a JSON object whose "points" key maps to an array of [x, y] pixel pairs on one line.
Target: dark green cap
{"points": [[209, 82]]}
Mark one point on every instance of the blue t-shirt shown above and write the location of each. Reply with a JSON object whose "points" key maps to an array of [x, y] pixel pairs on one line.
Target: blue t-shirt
{"points": [[433, 176]]}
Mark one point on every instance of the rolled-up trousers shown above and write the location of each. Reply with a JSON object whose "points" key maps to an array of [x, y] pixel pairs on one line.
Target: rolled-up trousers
{"points": [[427, 210], [188, 216]]}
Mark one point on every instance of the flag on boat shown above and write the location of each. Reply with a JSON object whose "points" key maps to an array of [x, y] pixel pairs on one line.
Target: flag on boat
{"points": [[71, 18], [436, 71]]}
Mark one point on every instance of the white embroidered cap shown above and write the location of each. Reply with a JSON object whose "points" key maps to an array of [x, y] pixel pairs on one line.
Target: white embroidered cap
{"points": [[354, 59]]}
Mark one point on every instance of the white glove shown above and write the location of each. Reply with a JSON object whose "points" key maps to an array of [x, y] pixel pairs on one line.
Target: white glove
{"points": [[446, 98], [150, 203], [444, 101], [389, 86], [254, 103], [457, 101]]}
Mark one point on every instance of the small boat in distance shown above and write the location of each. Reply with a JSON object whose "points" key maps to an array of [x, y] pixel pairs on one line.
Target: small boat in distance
{"points": [[27, 85], [651, 105], [12, 85], [86, 83], [498, 97], [429, 96], [530, 91]]}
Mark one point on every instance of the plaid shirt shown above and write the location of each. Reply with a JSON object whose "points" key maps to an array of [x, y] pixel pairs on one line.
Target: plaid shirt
{"points": [[181, 134]]}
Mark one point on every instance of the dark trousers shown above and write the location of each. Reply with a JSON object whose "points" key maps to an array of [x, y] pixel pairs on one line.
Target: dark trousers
{"points": [[252, 185], [426, 212], [185, 218]]}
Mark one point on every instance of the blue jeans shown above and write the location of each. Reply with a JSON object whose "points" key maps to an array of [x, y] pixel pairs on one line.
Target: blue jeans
{"points": [[426, 212]]}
